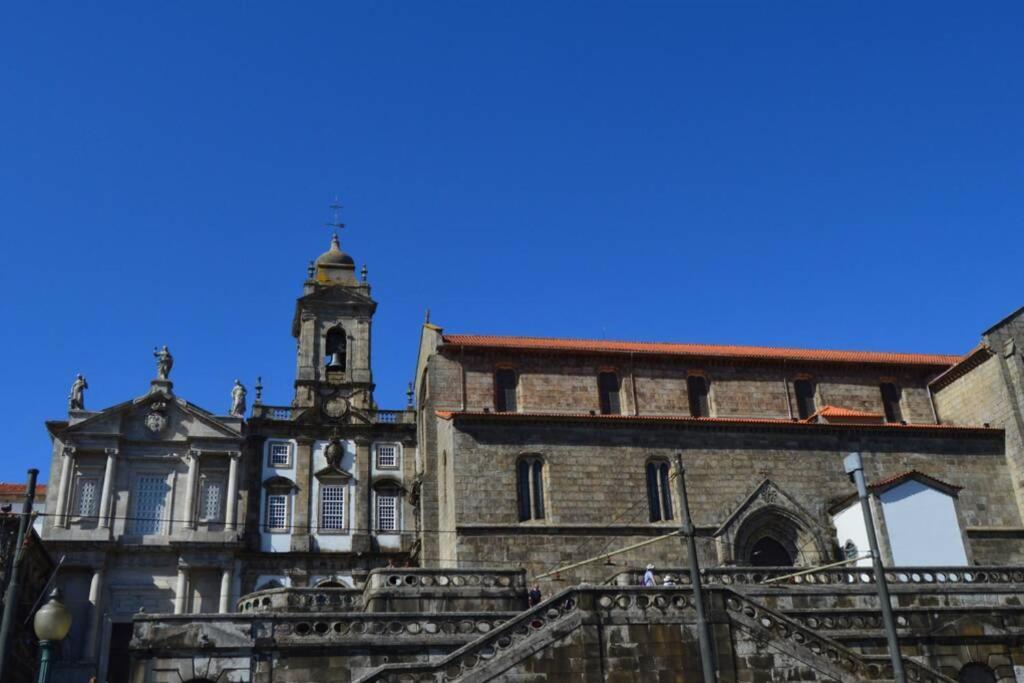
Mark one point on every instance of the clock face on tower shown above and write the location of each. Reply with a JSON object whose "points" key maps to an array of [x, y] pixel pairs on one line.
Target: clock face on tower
{"points": [[335, 406]]}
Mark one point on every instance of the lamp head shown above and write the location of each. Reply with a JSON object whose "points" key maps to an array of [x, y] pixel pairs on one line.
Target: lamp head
{"points": [[53, 620]]}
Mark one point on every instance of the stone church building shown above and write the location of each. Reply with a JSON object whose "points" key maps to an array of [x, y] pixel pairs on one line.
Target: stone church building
{"points": [[331, 539]]}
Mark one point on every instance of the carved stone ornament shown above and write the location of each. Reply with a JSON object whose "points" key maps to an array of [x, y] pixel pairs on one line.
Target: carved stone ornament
{"points": [[769, 494], [334, 453], [156, 420], [336, 406]]}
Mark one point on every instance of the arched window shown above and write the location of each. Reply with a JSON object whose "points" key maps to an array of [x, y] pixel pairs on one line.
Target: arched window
{"points": [[530, 488], [804, 390], [505, 381], [335, 347], [608, 393], [697, 393], [767, 552], [659, 496], [976, 673]]}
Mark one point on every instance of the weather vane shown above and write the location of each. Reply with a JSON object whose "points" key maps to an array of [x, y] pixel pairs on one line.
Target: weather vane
{"points": [[336, 224]]}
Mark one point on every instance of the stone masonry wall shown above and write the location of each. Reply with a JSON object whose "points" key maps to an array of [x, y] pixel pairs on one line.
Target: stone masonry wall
{"points": [[595, 486]]}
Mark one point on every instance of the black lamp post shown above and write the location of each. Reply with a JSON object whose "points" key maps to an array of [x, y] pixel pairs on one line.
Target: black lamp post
{"points": [[51, 623]]}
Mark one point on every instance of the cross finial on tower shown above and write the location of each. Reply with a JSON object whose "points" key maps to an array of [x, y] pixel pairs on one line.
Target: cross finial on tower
{"points": [[336, 223]]}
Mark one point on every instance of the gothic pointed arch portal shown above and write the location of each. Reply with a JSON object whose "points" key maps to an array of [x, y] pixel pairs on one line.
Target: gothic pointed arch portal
{"points": [[769, 528]]}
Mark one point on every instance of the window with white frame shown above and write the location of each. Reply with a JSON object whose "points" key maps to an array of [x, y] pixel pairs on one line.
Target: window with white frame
{"points": [[277, 511], [280, 454], [332, 507], [87, 496], [387, 456], [387, 510], [211, 500], [150, 504]]}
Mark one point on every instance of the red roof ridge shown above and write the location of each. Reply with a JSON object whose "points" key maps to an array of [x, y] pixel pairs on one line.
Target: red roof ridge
{"points": [[838, 411], [890, 481], [693, 349]]}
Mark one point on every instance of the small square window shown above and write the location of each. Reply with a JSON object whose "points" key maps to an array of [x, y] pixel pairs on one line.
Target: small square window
{"points": [[387, 456], [280, 454]]}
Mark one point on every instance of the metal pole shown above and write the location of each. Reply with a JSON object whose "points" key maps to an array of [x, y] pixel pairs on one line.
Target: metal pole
{"points": [[14, 585], [45, 655], [855, 468], [707, 660]]}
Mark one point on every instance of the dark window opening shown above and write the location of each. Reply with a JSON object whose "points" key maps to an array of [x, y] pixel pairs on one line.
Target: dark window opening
{"points": [[335, 347], [505, 381], [697, 391], [608, 388], [891, 396], [659, 496], [976, 673], [804, 389], [768, 552], [530, 489]]}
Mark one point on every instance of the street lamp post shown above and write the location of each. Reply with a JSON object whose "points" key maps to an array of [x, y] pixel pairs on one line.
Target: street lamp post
{"points": [[51, 623], [855, 468]]}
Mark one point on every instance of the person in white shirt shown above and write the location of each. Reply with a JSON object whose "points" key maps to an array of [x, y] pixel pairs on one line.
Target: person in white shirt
{"points": [[649, 576]]}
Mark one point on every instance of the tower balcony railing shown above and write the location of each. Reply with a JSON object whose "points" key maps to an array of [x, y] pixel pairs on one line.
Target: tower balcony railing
{"points": [[262, 411]]}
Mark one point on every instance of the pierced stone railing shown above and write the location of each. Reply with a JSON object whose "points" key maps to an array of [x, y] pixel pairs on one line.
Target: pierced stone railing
{"points": [[261, 410], [451, 629], [404, 417], [302, 600], [850, 576], [418, 578]]}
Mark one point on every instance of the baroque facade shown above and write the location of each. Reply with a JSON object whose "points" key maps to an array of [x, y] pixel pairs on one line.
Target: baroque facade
{"points": [[267, 547]]}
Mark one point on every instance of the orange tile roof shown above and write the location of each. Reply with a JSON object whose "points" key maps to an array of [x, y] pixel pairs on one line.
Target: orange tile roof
{"points": [[836, 411], [709, 421], [698, 350], [20, 488], [889, 482]]}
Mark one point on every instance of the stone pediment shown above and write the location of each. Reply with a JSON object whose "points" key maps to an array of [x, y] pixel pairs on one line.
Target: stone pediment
{"points": [[156, 416], [332, 471]]}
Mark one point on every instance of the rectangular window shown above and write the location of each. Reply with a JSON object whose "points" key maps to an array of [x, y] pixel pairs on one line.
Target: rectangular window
{"points": [[608, 392], [87, 497], [891, 396], [505, 381], [332, 507], [697, 392], [210, 499], [150, 505], [387, 512], [277, 512], [530, 489], [387, 456], [280, 454], [804, 389]]}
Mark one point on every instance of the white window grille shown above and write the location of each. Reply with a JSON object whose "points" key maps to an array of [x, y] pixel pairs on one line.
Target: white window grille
{"points": [[387, 512], [280, 454], [150, 504], [210, 501], [387, 456], [277, 512], [87, 497], [332, 507]]}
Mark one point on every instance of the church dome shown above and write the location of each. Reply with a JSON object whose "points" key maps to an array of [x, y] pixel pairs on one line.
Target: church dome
{"points": [[335, 256]]}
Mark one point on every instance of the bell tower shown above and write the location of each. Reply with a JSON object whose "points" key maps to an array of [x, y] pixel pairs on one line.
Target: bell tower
{"points": [[332, 324]]}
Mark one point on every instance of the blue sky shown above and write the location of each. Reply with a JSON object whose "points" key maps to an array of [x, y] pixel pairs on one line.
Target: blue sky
{"points": [[842, 175]]}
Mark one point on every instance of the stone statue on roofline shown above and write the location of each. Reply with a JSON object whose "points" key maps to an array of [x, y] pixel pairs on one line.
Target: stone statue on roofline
{"points": [[76, 399], [238, 394], [164, 362]]}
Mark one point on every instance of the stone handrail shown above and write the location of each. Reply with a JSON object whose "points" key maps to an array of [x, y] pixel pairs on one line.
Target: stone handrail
{"points": [[842, 576], [527, 625], [403, 417], [389, 580], [261, 410]]}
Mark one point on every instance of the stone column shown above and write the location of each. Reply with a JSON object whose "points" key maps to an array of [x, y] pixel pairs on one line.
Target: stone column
{"points": [[362, 514], [92, 634], [231, 505], [180, 596], [108, 485], [225, 590], [304, 480], [67, 463], [190, 488]]}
